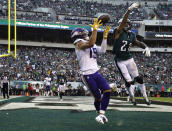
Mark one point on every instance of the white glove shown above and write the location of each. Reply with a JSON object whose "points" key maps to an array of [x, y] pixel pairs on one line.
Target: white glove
{"points": [[134, 5], [146, 52]]}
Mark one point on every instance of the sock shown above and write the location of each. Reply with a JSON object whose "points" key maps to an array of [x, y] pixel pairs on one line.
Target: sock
{"points": [[131, 90], [143, 90], [97, 105], [105, 101]]}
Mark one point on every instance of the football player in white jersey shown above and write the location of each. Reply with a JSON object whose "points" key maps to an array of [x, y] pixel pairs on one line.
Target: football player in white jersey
{"points": [[86, 51], [47, 82]]}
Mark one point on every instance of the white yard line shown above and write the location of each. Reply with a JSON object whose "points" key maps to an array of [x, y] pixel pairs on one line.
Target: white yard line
{"points": [[83, 104]]}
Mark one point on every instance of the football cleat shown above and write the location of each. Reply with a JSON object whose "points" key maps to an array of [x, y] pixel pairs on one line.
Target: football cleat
{"points": [[134, 103], [101, 119], [133, 100], [148, 102]]}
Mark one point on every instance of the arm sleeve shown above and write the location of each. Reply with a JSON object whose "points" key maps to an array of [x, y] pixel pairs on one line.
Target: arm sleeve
{"points": [[102, 49]]}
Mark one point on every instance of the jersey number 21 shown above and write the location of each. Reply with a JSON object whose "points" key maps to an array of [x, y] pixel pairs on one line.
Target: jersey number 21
{"points": [[126, 46]]}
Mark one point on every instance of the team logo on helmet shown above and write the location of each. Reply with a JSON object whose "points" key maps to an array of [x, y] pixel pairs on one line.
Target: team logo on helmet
{"points": [[79, 33]]}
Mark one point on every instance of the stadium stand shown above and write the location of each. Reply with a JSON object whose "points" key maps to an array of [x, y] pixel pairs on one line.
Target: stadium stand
{"points": [[71, 9], [34, 63], [164, 11], [75, 11]]}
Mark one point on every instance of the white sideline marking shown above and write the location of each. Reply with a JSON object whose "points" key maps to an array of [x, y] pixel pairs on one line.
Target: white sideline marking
{"points": [[83, 104]]}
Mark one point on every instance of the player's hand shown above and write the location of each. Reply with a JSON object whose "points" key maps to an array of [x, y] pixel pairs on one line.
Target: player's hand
{"points": [[106, 32], [146, 52], [96, 24], [134, 5]]}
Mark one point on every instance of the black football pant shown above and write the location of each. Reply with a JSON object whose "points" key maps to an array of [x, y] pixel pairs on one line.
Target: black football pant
{"points": [[5, 90]]}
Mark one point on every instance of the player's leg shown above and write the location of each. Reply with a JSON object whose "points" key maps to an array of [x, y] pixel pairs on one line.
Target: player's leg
{"points": [[122, 67], [105, 88], [132, 68], [131, 89], [49, 90], [3, 90], [46, 93], [61, 92], [89, 80], [92, 86], [61, 96], [139, 79], [7, 91]]}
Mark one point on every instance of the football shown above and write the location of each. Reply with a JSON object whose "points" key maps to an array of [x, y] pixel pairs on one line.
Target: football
{"points": [[104, 18]]}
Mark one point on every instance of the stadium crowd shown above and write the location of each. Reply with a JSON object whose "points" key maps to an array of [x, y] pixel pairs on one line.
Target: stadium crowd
{"points": [[34, 63], [164, 11], [79, 11], [71, 8]]}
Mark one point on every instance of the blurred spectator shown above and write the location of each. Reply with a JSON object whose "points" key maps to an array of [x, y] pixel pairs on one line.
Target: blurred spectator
{"points": [[32, 63], [24, 89], [162, 90], [168, 92], [37, 89], [164, 11], [71, 9]]}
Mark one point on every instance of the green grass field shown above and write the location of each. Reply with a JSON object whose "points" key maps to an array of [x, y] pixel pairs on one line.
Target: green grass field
{"points": [[71, 120], [162, 99], [66, 120]]}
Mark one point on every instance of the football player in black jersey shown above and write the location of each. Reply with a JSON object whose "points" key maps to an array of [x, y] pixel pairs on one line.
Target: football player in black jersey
{"points": [[124, 38]]}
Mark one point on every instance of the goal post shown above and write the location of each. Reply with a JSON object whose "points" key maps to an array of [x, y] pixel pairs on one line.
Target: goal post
{"points": [[9, 31]]}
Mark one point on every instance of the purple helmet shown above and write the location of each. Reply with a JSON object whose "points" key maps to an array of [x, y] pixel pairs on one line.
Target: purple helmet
{"points": [[79, 33]]}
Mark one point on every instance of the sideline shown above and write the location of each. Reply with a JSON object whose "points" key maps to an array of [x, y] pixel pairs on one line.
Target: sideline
{"points": [[11, 97]]}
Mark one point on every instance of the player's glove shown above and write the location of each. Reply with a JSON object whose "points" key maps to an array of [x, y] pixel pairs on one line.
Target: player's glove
{"points": [[96, 24], [134, 5], [146, 52], [106, 32]]}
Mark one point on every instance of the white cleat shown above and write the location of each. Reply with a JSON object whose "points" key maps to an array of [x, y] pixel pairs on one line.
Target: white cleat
{"points": [[101, 119]]}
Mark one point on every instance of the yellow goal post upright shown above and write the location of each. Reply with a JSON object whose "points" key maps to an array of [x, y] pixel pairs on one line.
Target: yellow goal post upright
{"points": [[9, 31]]}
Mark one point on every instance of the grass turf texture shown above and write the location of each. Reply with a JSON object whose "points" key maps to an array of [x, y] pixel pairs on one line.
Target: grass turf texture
{"points": [[65, 120], [17, 99], [162, 99]]}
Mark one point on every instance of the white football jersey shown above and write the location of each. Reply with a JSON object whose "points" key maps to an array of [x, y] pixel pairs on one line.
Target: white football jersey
{"points": [[5, 79], [87, 59], [47, 81]]}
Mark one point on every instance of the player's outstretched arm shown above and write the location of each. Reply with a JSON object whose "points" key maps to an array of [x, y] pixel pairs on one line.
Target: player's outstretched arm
{"points": [[124, 20], [91, 42], [102, 49], [104, 41], [142, 45], [106, 32]]}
